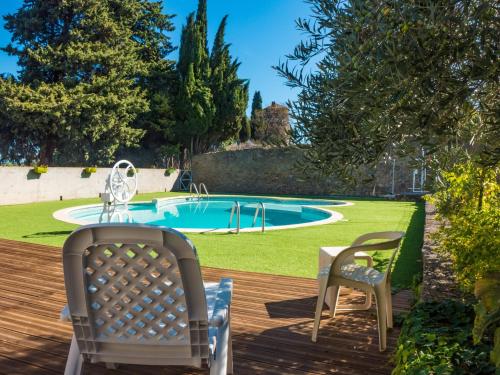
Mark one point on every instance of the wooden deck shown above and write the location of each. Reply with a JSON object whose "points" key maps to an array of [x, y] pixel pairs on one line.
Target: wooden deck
{"points": [[272, 321]]}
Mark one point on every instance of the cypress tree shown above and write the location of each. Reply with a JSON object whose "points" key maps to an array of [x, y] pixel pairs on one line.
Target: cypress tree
{"points": [[230, 93], [216, 79], [246, 130], [202, 23], [195, 111], [193, 118], [202, 29], [256, 102], [256, 118]]}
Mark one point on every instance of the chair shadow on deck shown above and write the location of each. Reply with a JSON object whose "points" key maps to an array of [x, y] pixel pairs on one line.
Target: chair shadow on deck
{"points": [[37, 355], [299, 308], [48, 234]]}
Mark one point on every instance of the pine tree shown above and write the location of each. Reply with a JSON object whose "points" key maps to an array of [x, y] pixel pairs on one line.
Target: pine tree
{"points": [[80, 63], [160, 84]]}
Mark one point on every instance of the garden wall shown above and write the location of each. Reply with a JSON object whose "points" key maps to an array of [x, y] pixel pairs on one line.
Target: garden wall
{"points": [[22, 185], [275, 171]]}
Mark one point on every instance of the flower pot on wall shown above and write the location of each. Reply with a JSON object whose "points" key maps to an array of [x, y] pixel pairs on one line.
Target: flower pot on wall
{"points": [[87, 171], [40, 169], [90, 170], [169, 171]]}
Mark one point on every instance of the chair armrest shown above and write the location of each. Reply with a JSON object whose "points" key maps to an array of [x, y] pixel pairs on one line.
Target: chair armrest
{"points": [[343, 256], [65, 316], [361, 255], [222, 303]]}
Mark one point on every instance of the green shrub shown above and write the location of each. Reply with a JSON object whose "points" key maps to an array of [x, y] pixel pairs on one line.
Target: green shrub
{"points": [[469, 207], [473, 242], [487, 291], [467, 187], [40, 169], [436, 338]]}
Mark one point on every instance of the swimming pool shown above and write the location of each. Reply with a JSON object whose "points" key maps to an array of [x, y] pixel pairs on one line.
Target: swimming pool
{"points": [[213, 213]]}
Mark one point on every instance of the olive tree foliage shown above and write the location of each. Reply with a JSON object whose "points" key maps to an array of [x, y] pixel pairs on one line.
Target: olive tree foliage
{"points": [[391, 76]]}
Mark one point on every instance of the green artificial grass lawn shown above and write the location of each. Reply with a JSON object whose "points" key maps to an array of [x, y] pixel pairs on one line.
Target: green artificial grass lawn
{"points": [[291, 252]]}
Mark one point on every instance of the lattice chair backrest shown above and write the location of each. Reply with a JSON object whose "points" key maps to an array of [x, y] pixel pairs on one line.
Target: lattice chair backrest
{"points": [[130, 287]]}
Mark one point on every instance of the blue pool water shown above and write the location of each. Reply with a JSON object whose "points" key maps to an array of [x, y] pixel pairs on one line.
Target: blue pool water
{"points": [[214, 213]]}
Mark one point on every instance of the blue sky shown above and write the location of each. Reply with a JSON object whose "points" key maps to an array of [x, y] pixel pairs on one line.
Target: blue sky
{"points": [[261, 33]]}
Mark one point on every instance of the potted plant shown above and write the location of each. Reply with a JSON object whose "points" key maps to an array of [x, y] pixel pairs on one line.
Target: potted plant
{"points": [[130, 172], [90, 170], [40, 169], [169, 171]]}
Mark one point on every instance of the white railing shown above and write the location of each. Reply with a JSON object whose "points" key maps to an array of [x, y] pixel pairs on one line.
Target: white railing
{"points": [[235, 208], [259, 205], [203, 187]]}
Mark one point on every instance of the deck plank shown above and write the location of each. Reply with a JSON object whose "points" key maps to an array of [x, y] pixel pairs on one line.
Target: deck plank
{"points": [[272, 322]]}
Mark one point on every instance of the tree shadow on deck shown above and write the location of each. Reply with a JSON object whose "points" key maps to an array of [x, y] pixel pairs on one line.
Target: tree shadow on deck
{"points": [[300, 307]]}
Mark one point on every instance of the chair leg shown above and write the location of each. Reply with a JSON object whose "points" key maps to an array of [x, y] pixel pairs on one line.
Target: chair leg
{"points": [[381, 318], [357, 306], [368, 302], [319, 307], [220, 365], [230, 351], [388, 297], [335, 292], [74, 363]]}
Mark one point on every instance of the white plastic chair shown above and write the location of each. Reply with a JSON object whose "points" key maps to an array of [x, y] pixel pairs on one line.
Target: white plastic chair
{"points": [[345, 272], [136, 296]]}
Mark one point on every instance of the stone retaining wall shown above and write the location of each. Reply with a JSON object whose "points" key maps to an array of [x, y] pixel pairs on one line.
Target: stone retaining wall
{"points": [[438, 280], [275, 171], [22, 185]]}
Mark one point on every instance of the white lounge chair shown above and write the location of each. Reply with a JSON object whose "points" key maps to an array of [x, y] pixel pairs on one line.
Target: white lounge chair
{"points": [[345, 272], [136, 296]]}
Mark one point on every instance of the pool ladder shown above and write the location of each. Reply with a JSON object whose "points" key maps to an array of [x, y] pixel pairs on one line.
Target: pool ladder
{"points": [[236, 208], [260, 204], [202, 187]]}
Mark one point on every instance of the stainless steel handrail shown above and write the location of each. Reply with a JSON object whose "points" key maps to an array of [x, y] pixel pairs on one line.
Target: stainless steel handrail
{"points": [[263, 215], [191, 186], [238, 213], [203, 187]]}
